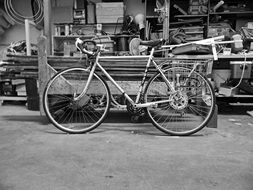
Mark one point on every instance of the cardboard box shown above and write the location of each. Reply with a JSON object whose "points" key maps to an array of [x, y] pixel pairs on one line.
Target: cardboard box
{"points": [[62, 15], [109, 12], [64, 3], [79, 4]]}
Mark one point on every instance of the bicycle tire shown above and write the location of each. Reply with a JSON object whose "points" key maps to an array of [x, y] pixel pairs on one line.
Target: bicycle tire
{"points": [[73, 116], [189, 110]]}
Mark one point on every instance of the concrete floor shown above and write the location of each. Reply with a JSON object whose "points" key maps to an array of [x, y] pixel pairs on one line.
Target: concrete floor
{"points": [[124, 156]]}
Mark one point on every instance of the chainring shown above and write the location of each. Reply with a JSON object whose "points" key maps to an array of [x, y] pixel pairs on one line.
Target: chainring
{"points": [[135, 111]]}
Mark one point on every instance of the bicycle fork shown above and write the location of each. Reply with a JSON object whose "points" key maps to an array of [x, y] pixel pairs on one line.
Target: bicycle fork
{"points": [[92, 71]]}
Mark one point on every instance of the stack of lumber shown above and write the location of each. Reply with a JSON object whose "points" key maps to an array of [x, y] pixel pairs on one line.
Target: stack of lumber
{"points": [[20, 66]]}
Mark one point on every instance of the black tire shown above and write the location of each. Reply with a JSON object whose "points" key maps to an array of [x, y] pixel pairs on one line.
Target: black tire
{"points": [[189, 110], [74, 116]]}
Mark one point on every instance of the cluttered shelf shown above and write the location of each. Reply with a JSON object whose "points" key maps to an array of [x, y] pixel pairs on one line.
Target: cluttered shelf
{"points": [[114, 43]]}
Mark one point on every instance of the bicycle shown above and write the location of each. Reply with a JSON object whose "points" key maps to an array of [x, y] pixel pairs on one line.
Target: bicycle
{"points": [[178, 100]]}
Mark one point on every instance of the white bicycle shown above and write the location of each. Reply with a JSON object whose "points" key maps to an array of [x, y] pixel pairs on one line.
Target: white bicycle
{"points": [[178, 100]]}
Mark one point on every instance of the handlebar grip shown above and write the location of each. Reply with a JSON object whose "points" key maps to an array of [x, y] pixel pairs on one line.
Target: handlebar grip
{"points": [[80, 45]]}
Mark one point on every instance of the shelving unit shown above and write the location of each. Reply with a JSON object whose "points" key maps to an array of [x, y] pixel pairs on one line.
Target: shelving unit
{"points": [[88, 33], [177, 19], [202, 25], [84, 22]]}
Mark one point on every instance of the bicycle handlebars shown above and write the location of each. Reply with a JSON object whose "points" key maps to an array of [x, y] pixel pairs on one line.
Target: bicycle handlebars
{"points": [[80, 45]]}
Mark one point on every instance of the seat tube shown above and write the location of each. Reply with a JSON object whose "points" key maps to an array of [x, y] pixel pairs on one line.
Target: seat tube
{"points": [[145, 75]]}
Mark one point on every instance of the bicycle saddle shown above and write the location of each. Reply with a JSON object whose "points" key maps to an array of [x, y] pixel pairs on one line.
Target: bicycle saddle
{"points": [[136, 43]]}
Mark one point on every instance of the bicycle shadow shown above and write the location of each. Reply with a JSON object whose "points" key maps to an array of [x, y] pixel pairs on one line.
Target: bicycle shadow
{"points": [[27, 118], [116, 121], [224, 108]]}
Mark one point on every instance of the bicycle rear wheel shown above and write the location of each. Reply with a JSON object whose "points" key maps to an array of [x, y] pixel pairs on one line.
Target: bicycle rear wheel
{"points": [[189, 109], [71, 115]]}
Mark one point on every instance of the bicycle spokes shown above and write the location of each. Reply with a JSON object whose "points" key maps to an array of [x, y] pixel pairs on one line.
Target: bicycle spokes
{"points": [[189, 108]]}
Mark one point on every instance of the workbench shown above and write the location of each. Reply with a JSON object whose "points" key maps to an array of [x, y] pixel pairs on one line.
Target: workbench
{"points": [[128, 72]]}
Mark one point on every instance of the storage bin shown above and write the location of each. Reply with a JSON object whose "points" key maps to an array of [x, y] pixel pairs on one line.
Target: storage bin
{"points": [[32, 94], [237, 69], [33, 103]]}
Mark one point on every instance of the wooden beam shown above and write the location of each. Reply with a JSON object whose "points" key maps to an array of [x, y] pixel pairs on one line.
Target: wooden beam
{"points": [[45, 71], [166, 22], [48, 24]]}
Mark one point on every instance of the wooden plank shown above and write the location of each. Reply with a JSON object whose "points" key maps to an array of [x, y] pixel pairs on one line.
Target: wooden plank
{"points": [[27, 75], [48, 25], [22, 67], [13, 98], [96, 87], [45, 70]]}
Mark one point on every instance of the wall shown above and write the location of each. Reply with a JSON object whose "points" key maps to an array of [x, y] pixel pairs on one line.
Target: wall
{"points": [[134, 7], [17, 31]]}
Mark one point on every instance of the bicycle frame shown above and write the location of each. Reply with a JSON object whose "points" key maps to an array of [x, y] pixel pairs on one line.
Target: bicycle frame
{"points": [[141, 87]]}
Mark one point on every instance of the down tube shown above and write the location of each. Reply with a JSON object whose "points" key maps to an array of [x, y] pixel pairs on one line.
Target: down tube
{"points": [[115, 83]]}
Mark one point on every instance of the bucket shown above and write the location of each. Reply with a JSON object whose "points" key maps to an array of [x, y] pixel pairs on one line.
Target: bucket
{"points": [[237, 46], [33, 103], [32, 94], [122, 42]]}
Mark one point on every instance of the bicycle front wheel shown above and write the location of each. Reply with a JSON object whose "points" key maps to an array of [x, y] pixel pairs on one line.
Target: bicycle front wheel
{"points": [[188, 109], [69, 113]]}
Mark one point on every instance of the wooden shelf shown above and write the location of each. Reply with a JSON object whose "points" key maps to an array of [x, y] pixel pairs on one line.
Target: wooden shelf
{"points": [[83, 25], [231, 13], [190, 16], [13, 98], [74, 36]]}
